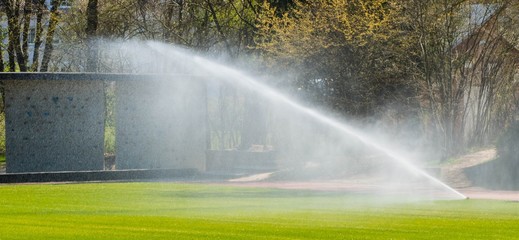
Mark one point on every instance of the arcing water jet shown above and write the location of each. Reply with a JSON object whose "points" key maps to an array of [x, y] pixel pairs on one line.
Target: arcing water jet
{"points": [[236, 77]]}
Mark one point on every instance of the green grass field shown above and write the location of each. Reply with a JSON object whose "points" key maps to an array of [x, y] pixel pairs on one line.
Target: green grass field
{"points": [[202, 211]]}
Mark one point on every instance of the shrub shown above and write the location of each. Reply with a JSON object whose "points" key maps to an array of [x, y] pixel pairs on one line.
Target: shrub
{"points": [[508, 146], [110, 139]]}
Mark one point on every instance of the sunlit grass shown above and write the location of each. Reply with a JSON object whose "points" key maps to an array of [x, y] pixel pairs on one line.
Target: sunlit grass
{"points": [[201, 211]]}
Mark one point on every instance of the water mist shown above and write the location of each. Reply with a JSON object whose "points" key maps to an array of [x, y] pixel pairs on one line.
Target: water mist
{"points": [[174, 60]]}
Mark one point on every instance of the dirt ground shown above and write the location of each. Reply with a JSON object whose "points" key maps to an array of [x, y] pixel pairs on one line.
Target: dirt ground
{"points": [[452, 174], [481, 193], [367, 188]]}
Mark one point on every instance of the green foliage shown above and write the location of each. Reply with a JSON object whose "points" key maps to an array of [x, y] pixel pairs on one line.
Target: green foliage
{"points": [[196, 211], [109, 139], [347, 54], [508, 146], [226, 118], [2, 135], [366, 58], [110, 118]]}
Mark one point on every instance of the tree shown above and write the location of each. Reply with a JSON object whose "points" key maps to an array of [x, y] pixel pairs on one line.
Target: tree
{"points": [[26, 20], [462, 64], [340, 50], [91, 30], [49, 40], [445, 65], [493, 66], [40, 8], [11, 8], [19, 14]]}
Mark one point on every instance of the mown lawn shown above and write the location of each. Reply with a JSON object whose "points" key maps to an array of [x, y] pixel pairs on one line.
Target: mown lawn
{"points": [[202, 211]]}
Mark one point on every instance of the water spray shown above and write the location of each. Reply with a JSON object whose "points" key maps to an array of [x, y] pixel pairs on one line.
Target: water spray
{"points": [[226, 73]]}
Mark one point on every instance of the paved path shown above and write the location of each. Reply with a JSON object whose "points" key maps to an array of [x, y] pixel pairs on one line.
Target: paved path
{"points": [[453, 174]]}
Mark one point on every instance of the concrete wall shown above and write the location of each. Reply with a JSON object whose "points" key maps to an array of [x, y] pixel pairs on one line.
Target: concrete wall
{"points": [[55, 122], [54, 125], [161, 123]]}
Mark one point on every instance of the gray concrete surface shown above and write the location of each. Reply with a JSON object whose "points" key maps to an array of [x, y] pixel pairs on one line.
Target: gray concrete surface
{"points": [[54, 125], [161, 123]]}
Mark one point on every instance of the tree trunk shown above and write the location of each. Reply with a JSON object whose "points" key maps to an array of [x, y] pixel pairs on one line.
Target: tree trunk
{"points": [[91, 31], [2, 65], [39, 32], [168, 16], [12, 25], [2, 89], [219, 27], [47, 52], [27, 9]]}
